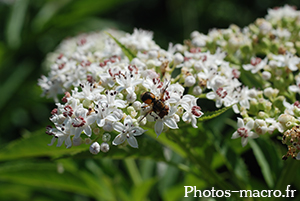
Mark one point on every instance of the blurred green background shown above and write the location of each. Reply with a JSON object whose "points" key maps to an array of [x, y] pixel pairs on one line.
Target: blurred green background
{"points": [[29, 29]]}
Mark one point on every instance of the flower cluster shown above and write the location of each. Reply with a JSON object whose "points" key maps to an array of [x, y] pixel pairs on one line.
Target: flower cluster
{"points": [[266, 53], [102, 89], [255, 70]]}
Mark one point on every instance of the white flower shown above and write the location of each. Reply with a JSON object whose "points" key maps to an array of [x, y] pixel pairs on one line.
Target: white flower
{"points": [[244, 131], [220, 95], [88, 92], [296, 88], [128, 82], [288, 60], [127, 131], [105, 113], [62, 133], [256, 64], [82, 122], [191, 113], [168, 120], [242, 97]]}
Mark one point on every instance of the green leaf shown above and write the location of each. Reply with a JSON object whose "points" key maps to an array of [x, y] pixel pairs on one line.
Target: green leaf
{"points": [[43, 175], [262, 159], [211, 115], [15, 23], [166, 141], [14, 81], [141, 191], [125, 50], [35, 145], [47, 12]]}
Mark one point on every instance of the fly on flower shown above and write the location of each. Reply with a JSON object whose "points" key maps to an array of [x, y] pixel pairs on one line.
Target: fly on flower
{"points": [[157, 104]]}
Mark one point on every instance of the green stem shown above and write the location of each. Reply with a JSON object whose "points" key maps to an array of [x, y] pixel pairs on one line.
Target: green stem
{"points": [[133, 171]]}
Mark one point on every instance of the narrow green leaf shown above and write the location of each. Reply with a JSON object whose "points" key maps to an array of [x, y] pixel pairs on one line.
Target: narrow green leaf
{"points": [[170, 175], [43, 175], [263, 163], [287, 174], [147, 168], [13, 82], [133, 171], [35, 145], [46, 13], [141, 191], [163, 138], [214, 114], [125, 50], [15, 23]]}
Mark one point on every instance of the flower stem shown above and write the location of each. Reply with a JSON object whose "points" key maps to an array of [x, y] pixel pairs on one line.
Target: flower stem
{"points": [[133, 171]]}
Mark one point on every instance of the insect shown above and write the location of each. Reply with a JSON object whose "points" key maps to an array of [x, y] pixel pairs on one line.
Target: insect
{"points": [[156, 103]]}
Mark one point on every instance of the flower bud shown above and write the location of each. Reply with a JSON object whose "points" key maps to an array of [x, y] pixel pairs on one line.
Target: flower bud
{"points": [[189, 81], [131, 97], [198, 66], [266, 75], [95, 148], [77, 141], [88, 141], [268, 92], [252, 93], [152, 54], [104, 147], [178, 59], [150, 64], [108, 126], [137, 105], [197, 90], [96, 131], [106, 137], [260, 126]]}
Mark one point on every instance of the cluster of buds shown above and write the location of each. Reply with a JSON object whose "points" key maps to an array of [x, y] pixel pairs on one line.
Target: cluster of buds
{"points": [[276, 33], [103, 85]]}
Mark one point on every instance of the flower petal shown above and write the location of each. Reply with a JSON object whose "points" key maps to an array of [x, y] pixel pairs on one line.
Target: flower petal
{"points": [[250, 124], [100, 122], [171, 123], [240, 122], [118, 126], [88, 131], [158, 127], [119, 139], [138, 131], [128, 120], [185, 116], [235, 135], [68, 142], [132, 142], [253, 135], [244, 141]]}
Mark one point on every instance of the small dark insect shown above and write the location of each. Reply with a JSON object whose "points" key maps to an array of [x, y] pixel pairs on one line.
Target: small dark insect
{"points": [[156, 103]]}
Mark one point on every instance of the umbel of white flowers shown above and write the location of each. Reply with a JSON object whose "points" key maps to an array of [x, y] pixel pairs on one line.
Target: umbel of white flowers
{"points": [[103, 77]]}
